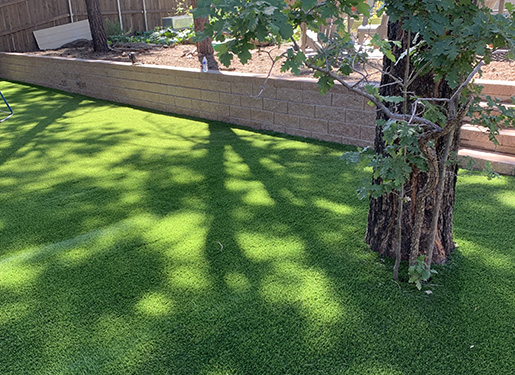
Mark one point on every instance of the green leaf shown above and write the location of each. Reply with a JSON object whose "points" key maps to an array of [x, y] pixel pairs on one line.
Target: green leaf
{"points": [[363, 8]]}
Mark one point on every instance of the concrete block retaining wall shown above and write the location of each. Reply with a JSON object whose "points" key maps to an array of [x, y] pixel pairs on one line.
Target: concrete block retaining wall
{"points": [[291, 106]]}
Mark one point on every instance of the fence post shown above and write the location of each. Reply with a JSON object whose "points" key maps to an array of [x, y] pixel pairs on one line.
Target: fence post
{"points": [[71, 10], [145, 15], [120, 14]]}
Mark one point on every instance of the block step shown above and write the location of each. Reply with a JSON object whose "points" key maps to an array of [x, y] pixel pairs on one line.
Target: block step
{"points": [[495, 111], [476, 137], [501, 163], [498, 89]]}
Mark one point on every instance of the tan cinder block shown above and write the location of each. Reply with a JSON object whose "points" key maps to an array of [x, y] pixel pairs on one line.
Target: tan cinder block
{"points": [[298, 132], [275, 105], [366, 118], [338, 88], [288, 83], [141, 95], [189, 74], [347, 101], [239, 112], [226, 118], [231, 99], [251, 102], [292, 95], [301, 109], [327, 137], [220, 109], [342, 129], [368, 107], [314, 97], [183, 103], [268, 91], [166, 99], [356, 142], [173, 90], [200, 105], [188, 112], [150, 87], [241, 88], [315, 125], [273, 127], [189, 93], [264, 116], [286, 120], [210, 96], [310, 85], [367, 133], [249, 123], [330, 113], [192, 83], [220, 86], [165, 79]]}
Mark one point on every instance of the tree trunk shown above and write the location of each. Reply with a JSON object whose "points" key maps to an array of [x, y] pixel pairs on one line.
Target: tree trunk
{"points": [[205, 47], [96, 26], [381, 226]]}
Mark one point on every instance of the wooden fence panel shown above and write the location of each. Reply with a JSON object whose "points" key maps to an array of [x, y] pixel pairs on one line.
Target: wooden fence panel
{"points": [[19, 18]]}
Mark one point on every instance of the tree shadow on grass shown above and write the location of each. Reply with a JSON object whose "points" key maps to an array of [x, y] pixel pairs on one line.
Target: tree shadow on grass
{"points": [[200, 248]]}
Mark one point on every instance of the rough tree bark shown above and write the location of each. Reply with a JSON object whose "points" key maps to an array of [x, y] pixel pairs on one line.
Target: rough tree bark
{"points": [[205, 47], [96, 26], [381, 226]]}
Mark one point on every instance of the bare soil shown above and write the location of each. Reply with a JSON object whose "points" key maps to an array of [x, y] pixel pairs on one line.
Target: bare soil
{"points": [[185, 56]]}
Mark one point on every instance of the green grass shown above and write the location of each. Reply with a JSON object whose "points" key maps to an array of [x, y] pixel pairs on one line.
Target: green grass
{"points": [[111, 261]]}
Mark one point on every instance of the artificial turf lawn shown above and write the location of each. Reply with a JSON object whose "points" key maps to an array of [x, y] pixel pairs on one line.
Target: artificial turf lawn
{"points": [[134, 242]]}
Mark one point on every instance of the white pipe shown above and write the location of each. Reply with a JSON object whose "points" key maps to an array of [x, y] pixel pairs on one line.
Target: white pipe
{"points": [[145, 15], [71, 10], [120, 14]]}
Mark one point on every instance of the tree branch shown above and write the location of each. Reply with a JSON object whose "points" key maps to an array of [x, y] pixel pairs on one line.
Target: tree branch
{"points": [[394, 116]]}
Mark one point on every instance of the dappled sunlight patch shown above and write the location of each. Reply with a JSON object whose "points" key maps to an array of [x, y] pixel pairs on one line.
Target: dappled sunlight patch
{"points": [[234, 163], [471, 178], [261, 247], [237, 282], [272, 165], [189, 277], [338, 209], [184, 175], [154, 304], [83, 247], [256, 193], [243, 214], [507, 198], [286, 193], [495, 260], [183, 233], [293, 283], [15, 275], [131, 197]]}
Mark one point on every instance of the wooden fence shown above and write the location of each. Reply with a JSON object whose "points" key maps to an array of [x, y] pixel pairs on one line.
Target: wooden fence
{"points": [[19, 18]]}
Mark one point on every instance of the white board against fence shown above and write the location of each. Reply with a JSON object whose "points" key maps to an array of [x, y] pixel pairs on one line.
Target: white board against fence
{"points": [[55, 37]]}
